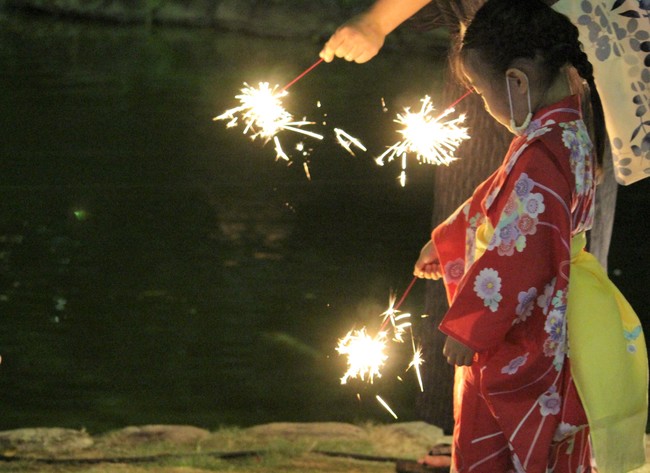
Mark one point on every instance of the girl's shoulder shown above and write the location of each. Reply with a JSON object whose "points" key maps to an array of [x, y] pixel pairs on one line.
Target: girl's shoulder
{"points": [[539, 157]]}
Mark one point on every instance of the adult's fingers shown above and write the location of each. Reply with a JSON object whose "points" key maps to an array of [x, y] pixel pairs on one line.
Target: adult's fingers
{"points": [[331, 46]]}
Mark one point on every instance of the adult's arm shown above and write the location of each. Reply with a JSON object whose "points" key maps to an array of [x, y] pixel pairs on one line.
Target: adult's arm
{"points": [[361, 38]]}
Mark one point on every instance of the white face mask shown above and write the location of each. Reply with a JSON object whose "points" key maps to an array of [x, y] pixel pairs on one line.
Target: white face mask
{"points": [[519, 130]]}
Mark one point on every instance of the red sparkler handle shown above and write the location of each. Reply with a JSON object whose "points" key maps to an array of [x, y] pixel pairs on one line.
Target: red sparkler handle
{"points": [[457, 101], [406, 292], [303, 74], [396, 306]]}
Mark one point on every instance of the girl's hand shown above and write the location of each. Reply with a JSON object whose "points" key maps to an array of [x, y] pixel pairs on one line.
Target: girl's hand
{"points": [[428, 264], [457, 353], [358, 40]]}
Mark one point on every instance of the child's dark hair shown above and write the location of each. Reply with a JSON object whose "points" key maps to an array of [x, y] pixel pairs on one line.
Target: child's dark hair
{"points": [[504, 30]]}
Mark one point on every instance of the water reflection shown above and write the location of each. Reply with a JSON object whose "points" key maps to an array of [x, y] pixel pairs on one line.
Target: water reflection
{"points": [[155, 267]]}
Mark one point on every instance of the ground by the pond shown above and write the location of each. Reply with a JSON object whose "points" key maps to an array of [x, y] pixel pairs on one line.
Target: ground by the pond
{"points": [[318, 447]]}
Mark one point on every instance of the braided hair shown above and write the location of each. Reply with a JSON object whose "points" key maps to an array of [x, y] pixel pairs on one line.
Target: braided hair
{"points": [[505, 30]]}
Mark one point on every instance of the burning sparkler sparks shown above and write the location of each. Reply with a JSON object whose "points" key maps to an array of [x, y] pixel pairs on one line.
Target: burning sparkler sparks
{"points": [[396, 321], [365, 354], [433, 139], [416, 362], [264, 116], [385, 404], [347, 141]]}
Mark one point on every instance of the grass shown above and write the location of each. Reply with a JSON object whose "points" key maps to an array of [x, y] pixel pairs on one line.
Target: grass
{"points": [[285, 449], [281, 448]]}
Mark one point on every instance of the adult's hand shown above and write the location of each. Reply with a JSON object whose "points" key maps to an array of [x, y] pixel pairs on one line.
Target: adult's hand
{"points": [[361, 38], [358, 40]]}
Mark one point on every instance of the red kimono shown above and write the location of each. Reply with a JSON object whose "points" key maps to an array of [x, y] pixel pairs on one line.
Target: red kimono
{"points": [[505, 256]]}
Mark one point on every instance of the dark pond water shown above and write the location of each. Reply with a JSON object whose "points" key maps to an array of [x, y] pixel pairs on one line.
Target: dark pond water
{"points": [[156, 267]]}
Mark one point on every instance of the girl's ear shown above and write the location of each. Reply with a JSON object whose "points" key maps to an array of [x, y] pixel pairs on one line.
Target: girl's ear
{"points": [[518, 80]]}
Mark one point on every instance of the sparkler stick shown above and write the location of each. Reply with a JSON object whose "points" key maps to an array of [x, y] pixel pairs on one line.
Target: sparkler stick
{"points": [[460, 99], [303, 74], [406, 292]]}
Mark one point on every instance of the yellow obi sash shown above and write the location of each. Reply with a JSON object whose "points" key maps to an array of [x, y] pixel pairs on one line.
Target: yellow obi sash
{"points": [[609, 363]]}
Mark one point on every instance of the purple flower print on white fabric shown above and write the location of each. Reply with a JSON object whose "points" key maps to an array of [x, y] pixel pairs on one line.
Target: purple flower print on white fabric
{"points": [[519, 218], [538, 128], [526, 303], [555, 345], [524, 185], [565, 431], [534, 205], [514, 365], [509, 232], [544, 300], [576, 138], [487, 286], [550, 402], [554, 325]]}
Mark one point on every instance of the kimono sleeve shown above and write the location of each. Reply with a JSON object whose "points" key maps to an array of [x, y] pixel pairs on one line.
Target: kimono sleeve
{"points": [[528, 250], [449, 240]]}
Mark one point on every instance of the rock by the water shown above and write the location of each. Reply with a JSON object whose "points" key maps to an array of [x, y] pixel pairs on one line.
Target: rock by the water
{"points": [[408, 439], [44, 440], [173, 434], [301, 430]]}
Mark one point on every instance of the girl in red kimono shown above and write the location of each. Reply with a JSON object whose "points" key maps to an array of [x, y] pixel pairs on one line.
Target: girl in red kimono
{"points": [[521, 288]]}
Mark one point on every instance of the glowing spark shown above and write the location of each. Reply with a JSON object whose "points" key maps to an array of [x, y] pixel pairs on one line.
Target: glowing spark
{"points": [[383, 403], [391, 316], [279, 152], [432, 139], [365, 354], [264, 116], [347, 141], [416, 362], [306, 168]]}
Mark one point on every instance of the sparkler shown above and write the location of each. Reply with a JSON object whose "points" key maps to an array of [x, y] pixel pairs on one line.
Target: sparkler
{"points": [[432, 139], [264, 116], [366, 355], [263, 113]]}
